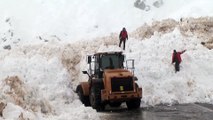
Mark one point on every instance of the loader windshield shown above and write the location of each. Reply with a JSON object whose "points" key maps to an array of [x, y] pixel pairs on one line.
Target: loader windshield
{"points": [[111, 61]]}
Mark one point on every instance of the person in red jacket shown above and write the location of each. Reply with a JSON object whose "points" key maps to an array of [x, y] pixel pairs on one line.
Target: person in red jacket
{"points": [[176, 58], [123, 37]]}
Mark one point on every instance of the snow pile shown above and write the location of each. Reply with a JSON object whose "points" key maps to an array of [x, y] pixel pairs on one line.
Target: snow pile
{"points": [[41, 81], [157, 76], [50, 72], [44, 90], [147, 31], [18, 100], [43, 78], [201, 27], [41, 63]]}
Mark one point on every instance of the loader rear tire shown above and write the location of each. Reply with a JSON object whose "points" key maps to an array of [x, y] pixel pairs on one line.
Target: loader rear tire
{"points": [[133, 104]]}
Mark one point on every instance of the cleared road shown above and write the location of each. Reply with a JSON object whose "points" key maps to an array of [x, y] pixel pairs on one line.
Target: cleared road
{"points": [[162, 112]]}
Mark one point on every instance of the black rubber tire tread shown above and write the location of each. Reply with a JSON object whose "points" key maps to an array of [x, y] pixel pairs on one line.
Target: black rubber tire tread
{"points": [[95, 98], [133, 104], [84, 99]]}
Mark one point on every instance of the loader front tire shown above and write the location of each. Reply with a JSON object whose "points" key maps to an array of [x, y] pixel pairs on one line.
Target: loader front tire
{"points": [[84, 99], [95, 98]]}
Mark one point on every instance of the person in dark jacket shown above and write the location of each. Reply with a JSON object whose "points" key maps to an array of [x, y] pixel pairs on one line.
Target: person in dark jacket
{"points": [[176, 58], [123, 37]]}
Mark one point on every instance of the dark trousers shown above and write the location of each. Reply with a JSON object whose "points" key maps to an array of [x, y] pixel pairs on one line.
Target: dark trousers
{"points": [[177, 66], [124, 41]]}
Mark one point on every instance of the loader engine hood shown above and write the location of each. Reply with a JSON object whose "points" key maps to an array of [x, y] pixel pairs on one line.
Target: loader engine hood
{"points": [[118, 80]]}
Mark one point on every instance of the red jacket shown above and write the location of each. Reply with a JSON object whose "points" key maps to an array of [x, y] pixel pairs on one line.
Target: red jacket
{"points": [[177, 57], [123, 35]]}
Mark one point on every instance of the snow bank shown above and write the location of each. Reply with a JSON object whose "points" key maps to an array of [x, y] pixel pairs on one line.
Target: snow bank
{"points": [[156, 74], [41, 65], [201, 27], [43, 77], [12, 111]]}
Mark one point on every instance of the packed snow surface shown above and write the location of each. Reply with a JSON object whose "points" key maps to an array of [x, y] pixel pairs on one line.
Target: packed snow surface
{"points": [[44, 44]]}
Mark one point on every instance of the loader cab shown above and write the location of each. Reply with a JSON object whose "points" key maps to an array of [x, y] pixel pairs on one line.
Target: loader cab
{"points": [[102, 61], [110, 61]]}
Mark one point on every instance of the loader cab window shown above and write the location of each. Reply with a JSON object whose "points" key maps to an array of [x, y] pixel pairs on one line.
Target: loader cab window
{"points": [[106, 61], [111, 61]]}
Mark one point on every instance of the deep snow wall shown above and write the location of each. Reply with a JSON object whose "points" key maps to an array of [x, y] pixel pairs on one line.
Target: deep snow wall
{"points": [[55, 66], [42, 52]]}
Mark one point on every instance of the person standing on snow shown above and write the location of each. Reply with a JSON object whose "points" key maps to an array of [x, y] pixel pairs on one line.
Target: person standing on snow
{"points": [[123, 37], [176, 58]]}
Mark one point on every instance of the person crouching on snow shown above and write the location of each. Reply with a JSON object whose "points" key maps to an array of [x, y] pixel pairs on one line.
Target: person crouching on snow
{"points": [[176, 58], [123, 37]]}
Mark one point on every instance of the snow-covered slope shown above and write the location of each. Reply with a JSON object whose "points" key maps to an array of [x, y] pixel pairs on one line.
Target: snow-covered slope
{"points": [[40, 71], [157, 76], [67, 20]]}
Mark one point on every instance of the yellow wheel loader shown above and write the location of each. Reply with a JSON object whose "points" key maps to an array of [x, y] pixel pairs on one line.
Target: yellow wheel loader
{"points": [[110, 82]]}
